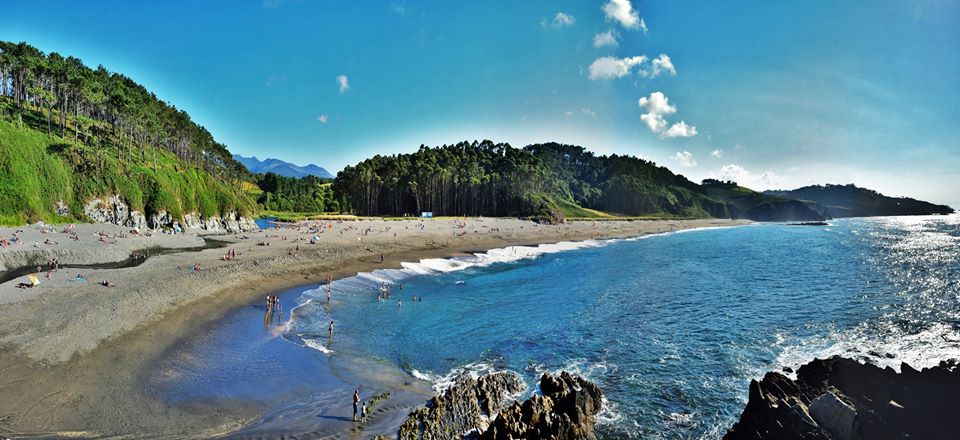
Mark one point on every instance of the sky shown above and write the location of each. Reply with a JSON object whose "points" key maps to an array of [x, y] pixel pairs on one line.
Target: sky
{"points": [[770, 94]]}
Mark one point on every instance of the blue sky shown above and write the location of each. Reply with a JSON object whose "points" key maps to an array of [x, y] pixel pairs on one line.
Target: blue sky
{"points": [[772, 94]]}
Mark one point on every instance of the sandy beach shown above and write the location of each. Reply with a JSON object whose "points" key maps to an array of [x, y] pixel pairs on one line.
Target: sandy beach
{"points": [[73, 353]]}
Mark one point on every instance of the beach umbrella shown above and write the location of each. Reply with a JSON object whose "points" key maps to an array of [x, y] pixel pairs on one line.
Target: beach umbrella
{"points": [[33, 279]]}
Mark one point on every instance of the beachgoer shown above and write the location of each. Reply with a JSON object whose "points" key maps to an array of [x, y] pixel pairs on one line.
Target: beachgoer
{"points": [[356, 401], [381, 258], [363, 410], [331, 328]]}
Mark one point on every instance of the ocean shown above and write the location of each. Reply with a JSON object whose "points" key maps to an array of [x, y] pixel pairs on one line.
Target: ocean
{"points": [[672, 326]]}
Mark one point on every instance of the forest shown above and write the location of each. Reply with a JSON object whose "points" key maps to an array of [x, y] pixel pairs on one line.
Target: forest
{"points": [[71, 133], [308, 194], [495, 179]]}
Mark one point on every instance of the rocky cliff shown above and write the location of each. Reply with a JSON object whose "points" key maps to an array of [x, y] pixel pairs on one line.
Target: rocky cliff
{"points": [[111, 209], [842, 399], [482, 409]]}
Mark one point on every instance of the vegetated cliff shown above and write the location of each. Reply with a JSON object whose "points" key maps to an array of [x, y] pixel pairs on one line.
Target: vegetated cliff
{"points": [[842, 399], [78, 143], [753, 205], [851, 201]]}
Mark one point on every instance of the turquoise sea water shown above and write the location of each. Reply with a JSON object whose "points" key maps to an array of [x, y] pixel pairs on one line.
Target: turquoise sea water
{"points": [[672, 327]]}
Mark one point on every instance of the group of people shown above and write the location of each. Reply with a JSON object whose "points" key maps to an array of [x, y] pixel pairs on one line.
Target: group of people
{"points": [[230, 255], [363, 408], [14, 239], [273, 302]]}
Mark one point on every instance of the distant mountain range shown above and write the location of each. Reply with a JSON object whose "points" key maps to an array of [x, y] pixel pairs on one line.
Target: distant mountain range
{"points": [[279, 167]]}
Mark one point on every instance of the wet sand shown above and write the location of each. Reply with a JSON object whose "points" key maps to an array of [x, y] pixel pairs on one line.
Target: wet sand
{"points": [[77, 358]]}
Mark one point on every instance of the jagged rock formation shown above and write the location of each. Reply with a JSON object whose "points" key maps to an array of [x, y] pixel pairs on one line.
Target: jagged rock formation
{"points": [[477, 408], [468, 405], [112, 209], [842, 399], [566, 410]]}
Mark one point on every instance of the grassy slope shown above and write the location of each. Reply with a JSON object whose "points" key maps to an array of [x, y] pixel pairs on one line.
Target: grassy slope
{"points": [[760, 206], [37, 171]]}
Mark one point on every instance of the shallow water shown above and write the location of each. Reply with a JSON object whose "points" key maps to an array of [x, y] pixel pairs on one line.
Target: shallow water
{"points": [[672, 327]]}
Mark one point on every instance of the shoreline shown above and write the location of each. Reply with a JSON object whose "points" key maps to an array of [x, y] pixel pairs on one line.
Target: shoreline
{"points": [[92, 388]]}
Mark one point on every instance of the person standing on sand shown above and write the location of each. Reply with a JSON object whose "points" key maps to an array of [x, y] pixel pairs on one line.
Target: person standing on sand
{"points": [[356, 401]]}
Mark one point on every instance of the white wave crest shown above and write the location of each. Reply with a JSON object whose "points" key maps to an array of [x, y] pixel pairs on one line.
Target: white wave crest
{"points": [[316, 344]]}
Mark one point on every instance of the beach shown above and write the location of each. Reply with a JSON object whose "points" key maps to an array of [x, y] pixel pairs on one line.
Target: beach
{"points": [[74, 354]]}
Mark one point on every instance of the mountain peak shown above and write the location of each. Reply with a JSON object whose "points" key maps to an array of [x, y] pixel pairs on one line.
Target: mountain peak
{"points": [[282, 168]]}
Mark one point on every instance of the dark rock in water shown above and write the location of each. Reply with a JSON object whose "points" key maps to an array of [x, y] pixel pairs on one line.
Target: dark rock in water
{"points": [[468, 405], [809, 224], [841, 399], [566, 410], [475, 408]]}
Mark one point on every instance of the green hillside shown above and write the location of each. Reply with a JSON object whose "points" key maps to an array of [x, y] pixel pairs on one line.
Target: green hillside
{"points": [[69, 134], [852, 201], [547, 181], [38, 170], [747, 203]]}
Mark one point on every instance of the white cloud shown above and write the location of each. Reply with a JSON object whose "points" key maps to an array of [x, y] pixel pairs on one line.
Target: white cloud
{"points": [[718, 153], [399, 7], [561, 20], [743, 177], [612, 67], [322, 119], [622, 12], [685, 158], [343, 83], [679, 129], [604, 39], [583, 111], [657, 105], [659, 65]]}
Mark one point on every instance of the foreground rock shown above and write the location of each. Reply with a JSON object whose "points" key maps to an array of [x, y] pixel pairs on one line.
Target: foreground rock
{"points": [[478, 409], [842, 399]]}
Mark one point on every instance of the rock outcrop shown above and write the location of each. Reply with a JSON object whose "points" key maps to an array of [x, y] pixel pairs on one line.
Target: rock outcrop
{"points": [[566, 410], [481, 409], [112, 209], [842, 399], [467, 406]]}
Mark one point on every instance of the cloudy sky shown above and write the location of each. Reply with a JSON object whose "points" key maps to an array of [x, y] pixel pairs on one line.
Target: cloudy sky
{"points": [[771, 94]]}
